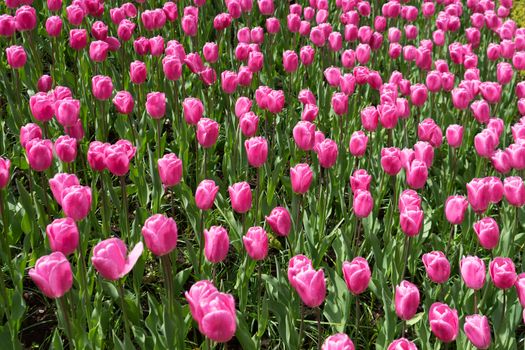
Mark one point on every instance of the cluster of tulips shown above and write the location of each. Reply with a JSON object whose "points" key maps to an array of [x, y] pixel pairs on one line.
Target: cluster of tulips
{"points": [[274, 134]]}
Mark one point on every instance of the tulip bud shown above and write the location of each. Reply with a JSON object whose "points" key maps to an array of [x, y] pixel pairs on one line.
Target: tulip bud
{"points": [[477, 330], [256, 243], [160, 234], [111, 260], [357, 275], [444, 322], [63, 235], [406, 300], [216, 244], [53, 275], [437, 266], [301, 177]]}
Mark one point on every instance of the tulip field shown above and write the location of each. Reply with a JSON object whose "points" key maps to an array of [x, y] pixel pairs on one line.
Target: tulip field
{"points": [[262, 174]]}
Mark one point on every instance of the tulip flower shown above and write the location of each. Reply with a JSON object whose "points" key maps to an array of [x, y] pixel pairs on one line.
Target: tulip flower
{"points": [[53, 275], [437, 266], [213, 311], [357, 275], [216, 244], [111, 260], [477, 330], [160, 234], [241, 197], [502, 272], [444, 322], [339, 341], [280, 221], [256, 243]]}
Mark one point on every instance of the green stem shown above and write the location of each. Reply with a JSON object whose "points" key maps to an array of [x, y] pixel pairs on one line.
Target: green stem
{"points": [[319, 334], [405, 258], [120, 285], [63, 308], [159, 136], [301, 326], [124, 212], [168, 279]]}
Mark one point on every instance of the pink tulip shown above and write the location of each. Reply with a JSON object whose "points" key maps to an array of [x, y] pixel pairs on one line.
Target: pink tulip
{"points": [[241, 197], [429, 131], [205, 194], [455, 209], [66, 148], [339, 341], [170, 169], [409, 200], [473, 272], [340, 103], [326, 153], [514, 191], [76, 201], [207, 132], [487, 231], [137, 72], [280, 221], [98, 51], [63, 235], [363, 203], [390, 160], [248, 123], [25, 18], [216, 244], [411, 221], [16, 56], [304, 135], [42, 106], [54, 26], [193, 110], [502, 272], [39, 154], [520, 288], [290, 61], [118, 157], [96, 155], [123, 102], [45, 83], [357, 275], [111, 260], [160, 234], [256, 151], [7, 25], [416, 174], [478, 195], [477, 330], [67, 111], [502, 160], [242, 105], [444, 322], [406, 300], [358, 143], [256, 243], [437, 266], [369, 118], [5, 165], [310, 285], [213, 311], [403, 343], [53, 275], [301, 177], [156, 104], [360, 180], [490, 91], [454, 135]]}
